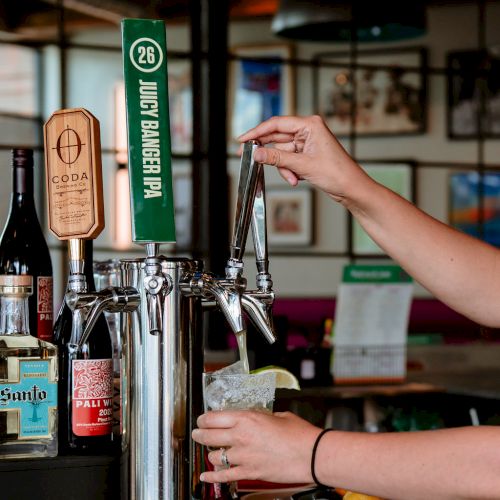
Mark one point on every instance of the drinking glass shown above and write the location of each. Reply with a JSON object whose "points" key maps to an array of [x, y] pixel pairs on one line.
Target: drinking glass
{"points": [[239, 391], [223, 390]]}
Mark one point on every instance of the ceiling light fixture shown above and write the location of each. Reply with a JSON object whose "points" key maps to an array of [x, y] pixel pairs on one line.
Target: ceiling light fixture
{"points": [[334, 20]]}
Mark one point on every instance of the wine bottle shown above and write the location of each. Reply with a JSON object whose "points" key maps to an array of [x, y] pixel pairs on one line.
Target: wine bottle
{"points": [[23, 249], [85, 420]]}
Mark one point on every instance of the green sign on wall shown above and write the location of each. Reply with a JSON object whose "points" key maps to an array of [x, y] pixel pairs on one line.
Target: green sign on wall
{"points": [[375, 274], [149, 152]]}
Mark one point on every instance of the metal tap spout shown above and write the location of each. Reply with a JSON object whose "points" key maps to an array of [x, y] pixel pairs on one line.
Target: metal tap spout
{"points": [[225, 295], [86, 307], [256, 306]]}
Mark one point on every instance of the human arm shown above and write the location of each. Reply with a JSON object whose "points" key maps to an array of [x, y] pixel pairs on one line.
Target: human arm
{"points": [[461, 463], [460, 270]]}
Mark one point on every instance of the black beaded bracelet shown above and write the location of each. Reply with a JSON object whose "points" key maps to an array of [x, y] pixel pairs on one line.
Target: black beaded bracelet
{"points": [[313, 457]]}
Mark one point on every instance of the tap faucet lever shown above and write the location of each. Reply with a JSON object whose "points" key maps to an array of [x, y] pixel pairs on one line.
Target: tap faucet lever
{"points": [[259, 225], [259, 233], [247, 187]]}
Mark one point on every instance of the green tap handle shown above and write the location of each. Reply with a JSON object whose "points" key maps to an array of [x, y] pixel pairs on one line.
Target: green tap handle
{"points": [[150, 166]]}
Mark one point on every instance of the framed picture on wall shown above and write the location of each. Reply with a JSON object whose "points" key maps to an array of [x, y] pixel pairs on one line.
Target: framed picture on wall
{"points": [[397, 176], [180, 99], [387, 93], [289, 216], [261, 85], [466, 190], [473, 94]]}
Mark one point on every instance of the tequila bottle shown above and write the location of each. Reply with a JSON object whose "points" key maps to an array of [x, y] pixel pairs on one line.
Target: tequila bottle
{"points": [[28, 378]]}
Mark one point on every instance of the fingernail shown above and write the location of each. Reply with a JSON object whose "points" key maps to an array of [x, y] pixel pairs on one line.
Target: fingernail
{"points": [[202, 477]]}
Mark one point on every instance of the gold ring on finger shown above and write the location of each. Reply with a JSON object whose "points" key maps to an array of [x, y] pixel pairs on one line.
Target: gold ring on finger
{"points": [[277, 161]]}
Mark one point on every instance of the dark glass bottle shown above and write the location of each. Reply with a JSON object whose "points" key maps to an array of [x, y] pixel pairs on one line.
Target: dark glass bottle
{"points": [[85, 384], [23, 249]]}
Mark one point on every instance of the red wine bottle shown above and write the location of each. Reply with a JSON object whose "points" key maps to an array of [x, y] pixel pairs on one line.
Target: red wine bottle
{"points": [[85, 382], [23, 249]]}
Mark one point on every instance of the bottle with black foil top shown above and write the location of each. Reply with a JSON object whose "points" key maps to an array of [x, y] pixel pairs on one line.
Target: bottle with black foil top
{"points": [[85, 381], [23, 248]]}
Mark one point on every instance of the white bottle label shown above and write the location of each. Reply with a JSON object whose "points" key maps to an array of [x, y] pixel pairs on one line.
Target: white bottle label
{"points": [[92, 397]]}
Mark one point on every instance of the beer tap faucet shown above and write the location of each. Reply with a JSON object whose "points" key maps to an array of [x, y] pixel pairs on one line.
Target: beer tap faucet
{"points": [[258, 303], [223, 292], [155, 286], [230, 293], [67, 222], [88, 306], [251, 210]]}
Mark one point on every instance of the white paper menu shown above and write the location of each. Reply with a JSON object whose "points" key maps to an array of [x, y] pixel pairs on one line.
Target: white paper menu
{"points": [[371, 323]]}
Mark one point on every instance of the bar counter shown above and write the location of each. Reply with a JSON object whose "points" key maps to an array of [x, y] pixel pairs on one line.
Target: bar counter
{"points": [[467, 374], [474, 383]]}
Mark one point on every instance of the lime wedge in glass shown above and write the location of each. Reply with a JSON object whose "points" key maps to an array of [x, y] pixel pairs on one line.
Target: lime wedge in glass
{"points": [[284, 378]]}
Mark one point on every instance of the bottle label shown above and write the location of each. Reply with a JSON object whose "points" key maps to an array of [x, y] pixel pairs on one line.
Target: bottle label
{"points": [[30, 398], [92, 397], [44, 308]]}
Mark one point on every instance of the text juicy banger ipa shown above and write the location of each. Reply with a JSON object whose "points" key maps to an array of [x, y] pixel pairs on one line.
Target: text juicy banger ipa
{"points": [[150, 169]]}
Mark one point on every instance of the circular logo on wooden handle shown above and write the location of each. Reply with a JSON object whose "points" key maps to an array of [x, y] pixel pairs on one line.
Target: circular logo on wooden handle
{"points": [[69, 146]]}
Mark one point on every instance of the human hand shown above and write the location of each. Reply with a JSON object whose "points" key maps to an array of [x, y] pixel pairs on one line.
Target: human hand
{"points": [[304, 148], [269, 447]]}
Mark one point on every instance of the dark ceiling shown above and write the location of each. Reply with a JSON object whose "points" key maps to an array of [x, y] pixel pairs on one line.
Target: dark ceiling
{"points": [[38, 19], [25, 19]]}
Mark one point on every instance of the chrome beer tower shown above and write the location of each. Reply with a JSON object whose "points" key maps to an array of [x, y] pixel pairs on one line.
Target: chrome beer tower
{"points": [[162, 301]]}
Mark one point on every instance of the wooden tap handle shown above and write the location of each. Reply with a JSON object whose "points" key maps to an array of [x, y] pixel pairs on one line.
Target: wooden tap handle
{"points": [[74, 174]]}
